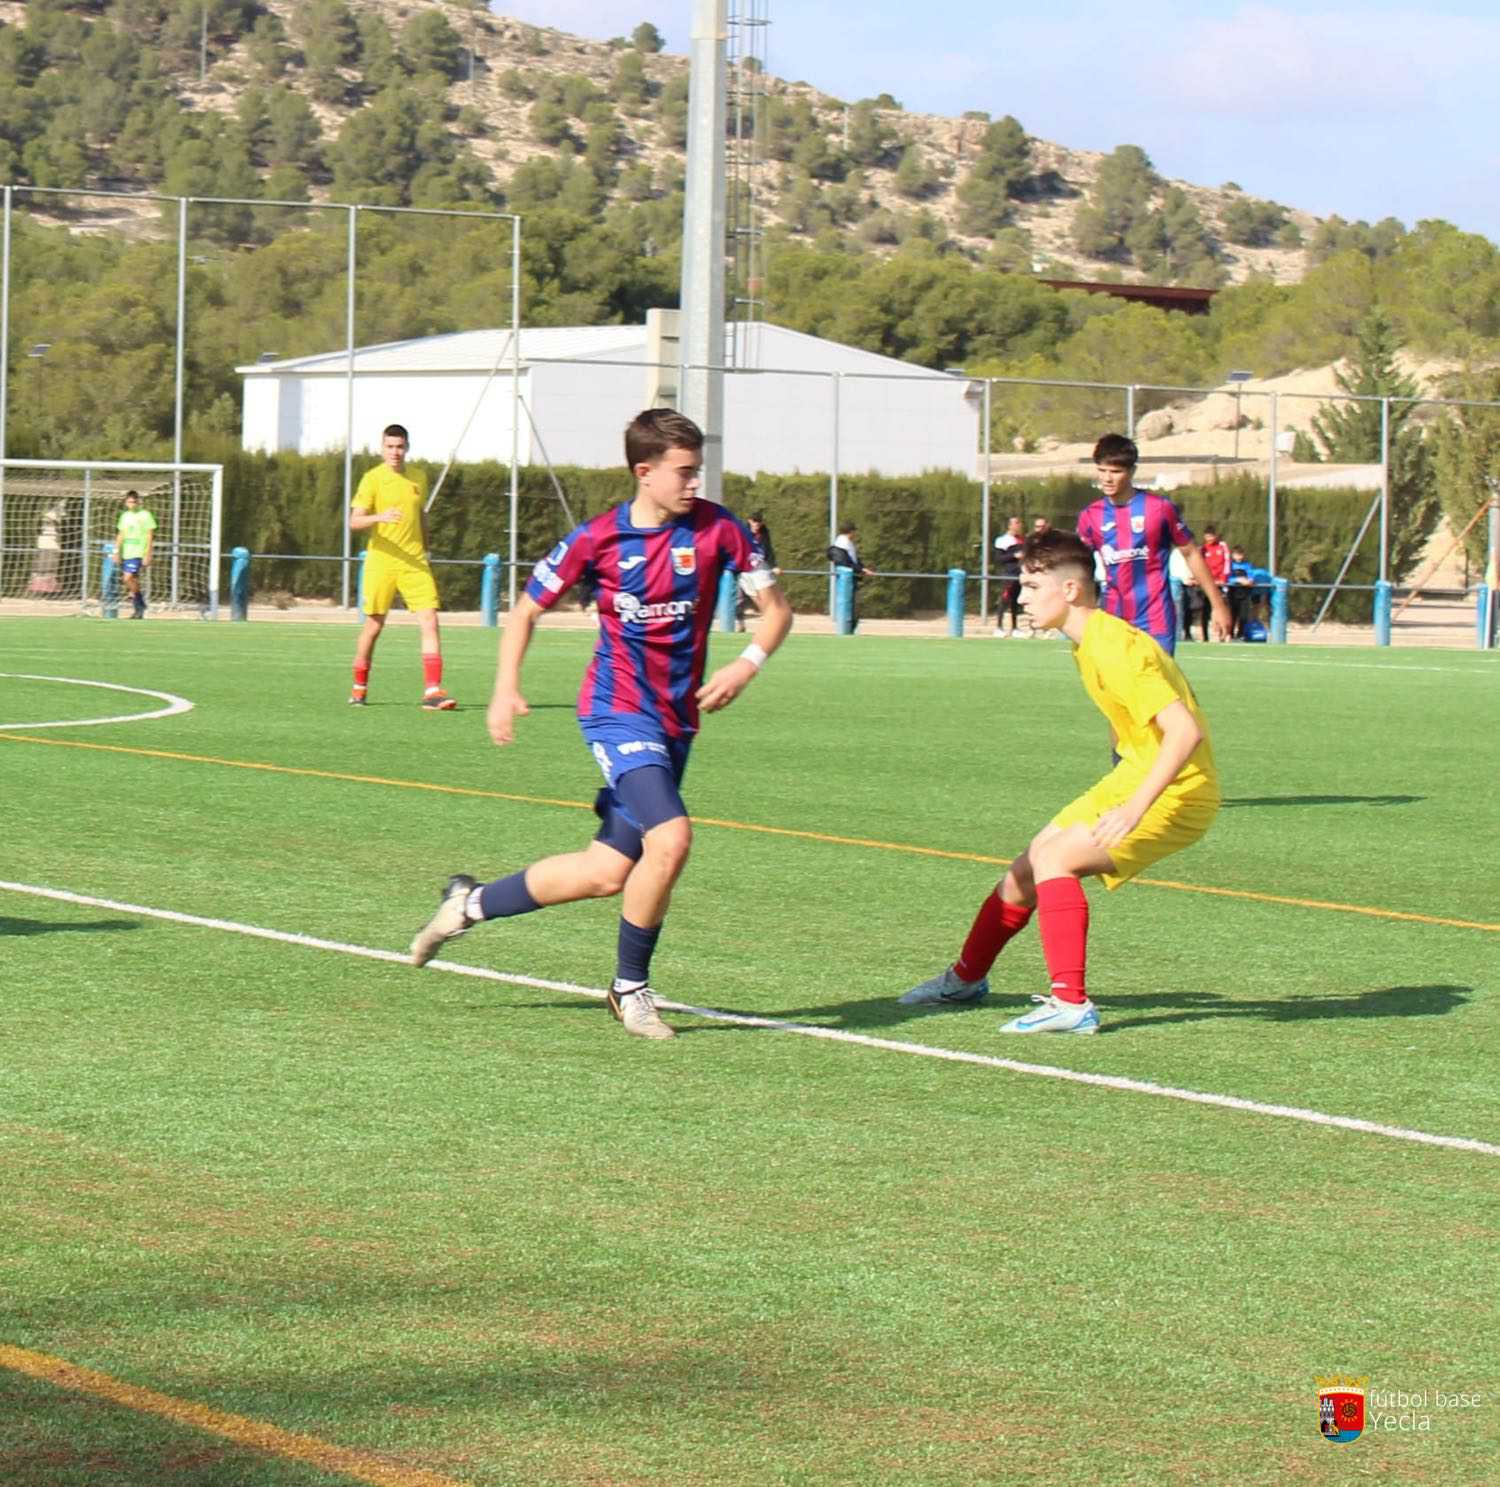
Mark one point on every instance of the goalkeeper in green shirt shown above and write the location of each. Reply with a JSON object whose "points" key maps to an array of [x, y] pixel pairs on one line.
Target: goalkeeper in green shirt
{"points": [[135, 533]]}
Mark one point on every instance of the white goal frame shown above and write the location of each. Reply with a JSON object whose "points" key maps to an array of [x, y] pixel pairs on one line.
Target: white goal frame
{"points": [[177, 556]]}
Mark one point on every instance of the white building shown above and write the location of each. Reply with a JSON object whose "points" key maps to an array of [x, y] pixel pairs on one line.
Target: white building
{"points": [[581, 385]]}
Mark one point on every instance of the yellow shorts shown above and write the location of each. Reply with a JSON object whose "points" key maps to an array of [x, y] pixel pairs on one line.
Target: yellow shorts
{"points": [[383, 581], [1172, 823]]}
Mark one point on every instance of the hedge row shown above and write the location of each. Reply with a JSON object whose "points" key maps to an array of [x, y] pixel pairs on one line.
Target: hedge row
{"points": [[293, 505]]}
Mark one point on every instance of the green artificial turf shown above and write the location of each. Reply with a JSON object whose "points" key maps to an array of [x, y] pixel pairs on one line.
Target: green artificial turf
{"points": [[466, 1226]]}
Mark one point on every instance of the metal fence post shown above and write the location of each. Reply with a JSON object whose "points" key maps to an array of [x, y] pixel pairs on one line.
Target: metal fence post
{"points": [[724, 609], [489, 590], [833, 496], [1280, 594], [109, 588], [843, 601], [1382, 611], [1271, 486], [239, 584], [957, 578]]}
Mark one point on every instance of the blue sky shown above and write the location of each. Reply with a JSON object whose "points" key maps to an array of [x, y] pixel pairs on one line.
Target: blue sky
{"points": [[1368, 109]]}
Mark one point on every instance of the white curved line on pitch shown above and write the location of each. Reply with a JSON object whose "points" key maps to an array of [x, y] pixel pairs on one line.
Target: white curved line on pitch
{"points": [[773, 1024], [174, 703]]}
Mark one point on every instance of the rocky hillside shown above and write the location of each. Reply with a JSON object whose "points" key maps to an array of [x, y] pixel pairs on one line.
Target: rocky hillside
{"points": [[865, 169]]}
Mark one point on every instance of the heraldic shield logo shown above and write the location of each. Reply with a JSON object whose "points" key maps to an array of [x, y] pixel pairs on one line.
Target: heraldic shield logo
{"points": [[1341, 1408]]}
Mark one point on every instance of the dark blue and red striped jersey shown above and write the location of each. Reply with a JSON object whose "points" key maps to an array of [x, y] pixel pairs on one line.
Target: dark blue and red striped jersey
{"points": [[1134, 540], [657, 588]]}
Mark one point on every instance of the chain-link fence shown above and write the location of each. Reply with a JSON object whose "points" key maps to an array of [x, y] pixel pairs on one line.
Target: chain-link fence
{"points": [[1331, 491]]}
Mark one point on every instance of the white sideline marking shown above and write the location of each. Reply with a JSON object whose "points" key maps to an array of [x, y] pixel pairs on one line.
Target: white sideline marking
{"points": [[1395, 668], [836, 1035], [174, 703]]}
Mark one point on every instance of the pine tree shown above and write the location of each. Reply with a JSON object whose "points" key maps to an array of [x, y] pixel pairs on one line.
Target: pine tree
{"points": [[1000, 170], [1349, 433]]}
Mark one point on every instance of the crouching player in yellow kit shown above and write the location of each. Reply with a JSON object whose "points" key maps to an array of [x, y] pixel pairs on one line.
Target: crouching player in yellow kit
{"points": [[1161, 797], [390, 499]]}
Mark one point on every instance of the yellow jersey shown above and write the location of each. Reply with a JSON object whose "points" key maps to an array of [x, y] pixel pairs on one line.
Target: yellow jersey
{"points": [[382, 489], [1131, 679]]}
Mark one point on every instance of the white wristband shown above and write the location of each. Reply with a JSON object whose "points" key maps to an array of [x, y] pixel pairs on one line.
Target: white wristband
{"points": [[754, 655]]}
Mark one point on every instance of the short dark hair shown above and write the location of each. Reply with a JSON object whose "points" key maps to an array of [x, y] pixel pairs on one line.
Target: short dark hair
{"points": [[649, 435], [848, 528], [1046, 552], [1210, 530], [129, 494], [1116, 449], [758, 516], [395, 431]]}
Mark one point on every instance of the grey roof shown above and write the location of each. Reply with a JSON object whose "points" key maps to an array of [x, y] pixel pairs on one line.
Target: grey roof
{"points": [[470, 351], [773, 347]]}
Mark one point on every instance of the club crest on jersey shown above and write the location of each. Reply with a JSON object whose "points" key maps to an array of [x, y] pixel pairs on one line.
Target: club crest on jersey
{"points": [[1137, 524], [684, 560]]}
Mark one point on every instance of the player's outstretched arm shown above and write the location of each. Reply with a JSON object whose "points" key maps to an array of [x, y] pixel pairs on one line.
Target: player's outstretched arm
{"points": [[507, 704], [729, 681], [1198, 565]]}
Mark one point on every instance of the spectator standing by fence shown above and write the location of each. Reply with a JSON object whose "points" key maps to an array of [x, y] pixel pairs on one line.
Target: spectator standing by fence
{"points": [[1216, 555], [1008, 572], [844, 553], [1241, 590]]}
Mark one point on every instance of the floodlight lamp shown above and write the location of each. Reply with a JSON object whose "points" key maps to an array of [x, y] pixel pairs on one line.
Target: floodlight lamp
{"points": [[267, 356], [40, 349], [1238, 376]]}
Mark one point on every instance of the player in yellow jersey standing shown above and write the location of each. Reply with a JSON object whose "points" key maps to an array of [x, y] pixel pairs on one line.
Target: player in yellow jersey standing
{"points": [[135, 534], [388, 504], [1161, 797]]}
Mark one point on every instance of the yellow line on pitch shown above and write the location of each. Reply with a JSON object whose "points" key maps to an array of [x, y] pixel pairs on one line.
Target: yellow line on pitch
{"points": [[1249, 895], [242, 1431]]}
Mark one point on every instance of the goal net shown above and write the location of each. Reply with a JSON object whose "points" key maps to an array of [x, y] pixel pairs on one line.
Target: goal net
{"points": [[58, 521]]}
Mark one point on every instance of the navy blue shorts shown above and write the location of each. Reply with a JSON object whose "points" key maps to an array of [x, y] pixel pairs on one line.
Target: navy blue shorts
{"points": [[131, 565], [642, 770]]}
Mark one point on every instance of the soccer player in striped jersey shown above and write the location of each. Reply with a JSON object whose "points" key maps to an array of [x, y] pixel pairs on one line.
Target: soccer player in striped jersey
{"points": [[1160, 797], [1134, 532], [655, 562]]}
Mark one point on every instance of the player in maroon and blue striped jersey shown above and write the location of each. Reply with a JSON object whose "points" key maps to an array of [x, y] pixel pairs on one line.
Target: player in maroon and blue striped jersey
{"points": [[655, 564], [1134, 532]]}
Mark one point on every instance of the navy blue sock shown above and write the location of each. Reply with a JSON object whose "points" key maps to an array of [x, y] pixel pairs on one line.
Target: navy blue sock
{"points": [[633, 960], [506, 897]]}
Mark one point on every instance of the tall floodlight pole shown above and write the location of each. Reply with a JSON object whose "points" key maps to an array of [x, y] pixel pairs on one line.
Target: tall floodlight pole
{"points": [[702, 344]]}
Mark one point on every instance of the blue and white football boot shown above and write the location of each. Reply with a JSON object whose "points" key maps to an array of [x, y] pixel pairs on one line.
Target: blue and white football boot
{"points": [[1054, 1016]]}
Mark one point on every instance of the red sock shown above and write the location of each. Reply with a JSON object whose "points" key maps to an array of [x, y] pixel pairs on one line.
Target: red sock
{"points": [[994, 924], [361, 675], [1063, 922], [432, 670]]}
